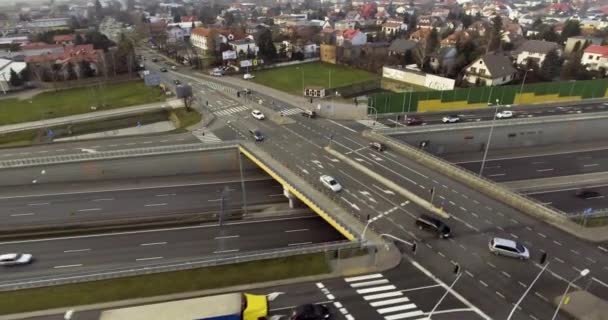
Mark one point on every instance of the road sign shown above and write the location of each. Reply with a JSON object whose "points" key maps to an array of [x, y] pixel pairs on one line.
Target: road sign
{"points": [[588, 211]]}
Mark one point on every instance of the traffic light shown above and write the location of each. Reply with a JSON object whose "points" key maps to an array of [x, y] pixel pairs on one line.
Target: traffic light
{"points": [[543, 258]]}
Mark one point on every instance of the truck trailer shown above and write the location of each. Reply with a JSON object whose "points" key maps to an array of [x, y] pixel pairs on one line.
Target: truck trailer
{"points": [[231, 306]]}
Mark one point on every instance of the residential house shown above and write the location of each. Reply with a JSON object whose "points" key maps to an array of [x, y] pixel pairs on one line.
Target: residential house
{"points": [[352, 36], [443, 60], [472, 9], [426, 22], [420, 36], [392, 28], [535, 51], [571, 42], [38, 48], [455, 38], [290, 18], [454, 25], [595, 57], [64, 39], [71, 55], [244, 46], [346, 24], [156, 29], [5, 72], [440, 12], [479, 28], [490, 70], [200, 39], [401, 47], [186, 27]]}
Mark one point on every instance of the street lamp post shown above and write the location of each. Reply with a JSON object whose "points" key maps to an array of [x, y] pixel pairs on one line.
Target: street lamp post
{"points": [[487, 147], [521, 89], [526, 292], [444, 295], [369, 221], [583, 273]]}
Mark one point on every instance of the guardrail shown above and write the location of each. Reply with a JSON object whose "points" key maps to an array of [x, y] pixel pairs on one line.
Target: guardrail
{"points": [[115, 154], [179, 266], [520, 202]]}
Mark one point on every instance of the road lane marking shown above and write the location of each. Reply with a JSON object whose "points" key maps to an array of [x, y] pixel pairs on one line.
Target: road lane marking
{"points": [[389, 302], [152, 244], [39, 204], [165, 195], [469, 273], [22, 214], [544, 170], [602, 248], [299, 244], [397, 308], [89, 209], [500, 294], [506, 274], [574, 251], [369, 283], [226, 251], [542, 235], [155, 204], [76, 250], [341, 125], [559, 260], [376, 289], [592, 261], [522, 284], [382, 295], [366, 277], [557, 242], [600, 282], [214, 200], [541, 296], [590, 165], [491, 264], [497, 175], [295, 230], [68, 266], [103, 199], [227, 237], [483, 283], [514, 236], [150, 258]]}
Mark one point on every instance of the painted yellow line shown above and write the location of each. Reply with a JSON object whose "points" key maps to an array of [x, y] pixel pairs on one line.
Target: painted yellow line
{"points": [[300, 196]]}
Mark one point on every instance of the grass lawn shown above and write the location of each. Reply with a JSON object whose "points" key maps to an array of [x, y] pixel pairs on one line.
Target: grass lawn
{"points": [[161, 283], [289, 79], [75, 101]]}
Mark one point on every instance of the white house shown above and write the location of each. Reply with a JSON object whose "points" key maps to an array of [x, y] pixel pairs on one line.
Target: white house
{"points": [[595, 57], [5, 72], [490, 70], [175, 34], [355, 37], [200, 38], [536, 51], [392, 28], [244, 46]]}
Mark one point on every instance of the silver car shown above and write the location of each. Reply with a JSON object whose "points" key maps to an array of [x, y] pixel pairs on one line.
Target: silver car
{"points": [[509, 248], [13, 259]]}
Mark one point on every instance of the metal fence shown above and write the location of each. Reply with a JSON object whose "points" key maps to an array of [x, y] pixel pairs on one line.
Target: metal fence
{"points": [[233, 258], [510, 94]]}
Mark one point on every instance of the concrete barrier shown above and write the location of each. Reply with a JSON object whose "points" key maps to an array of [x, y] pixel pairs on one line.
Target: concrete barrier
{"points": [[391, 185], [491, 189]]}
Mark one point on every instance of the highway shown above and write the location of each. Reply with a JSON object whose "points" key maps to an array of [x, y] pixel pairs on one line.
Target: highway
{"points": [[567, 201], [88, 254], [60, 205], [492, 283]]}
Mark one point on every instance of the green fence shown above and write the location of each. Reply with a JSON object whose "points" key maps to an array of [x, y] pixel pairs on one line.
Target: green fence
{"points": [[480, 96]]}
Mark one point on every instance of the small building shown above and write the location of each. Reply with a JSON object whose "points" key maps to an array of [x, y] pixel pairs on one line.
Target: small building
{"points": [[595, 57], [316, 92], [244, 46], [490, 70], [571, 43], [352, 36], [392, 28], [535, 51], [401, 47], [5, 72]]}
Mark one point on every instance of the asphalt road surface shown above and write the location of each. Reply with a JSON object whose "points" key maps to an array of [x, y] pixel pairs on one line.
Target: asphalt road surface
{"points": [[58, 207], [402, 293], [567, 200], [89, 254]]}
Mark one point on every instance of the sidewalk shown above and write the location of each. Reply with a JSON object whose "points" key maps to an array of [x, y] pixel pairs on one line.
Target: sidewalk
{"points": [[91, 116]]}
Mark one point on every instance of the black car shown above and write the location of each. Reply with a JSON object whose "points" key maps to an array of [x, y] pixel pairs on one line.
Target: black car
{"points": [[311, 312], [163, 69], [154, 59], [587, 194], [257, 135], [433, 225], [413, 121]]}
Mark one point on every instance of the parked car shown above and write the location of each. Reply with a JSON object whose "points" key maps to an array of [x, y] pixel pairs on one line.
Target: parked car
{"points": [[509, 248], [434, 225], [505, 114], [311, 312], [309, 113], [331, 183], [163, 69], [587, 194], [248, 76], [377, 146], [450, 119], [13, 259], [413, 121], [216, 73], [256, 134], [257, 114]]}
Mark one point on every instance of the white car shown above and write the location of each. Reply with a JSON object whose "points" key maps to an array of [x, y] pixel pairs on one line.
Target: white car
{"points": [[450, 119], [13, 259], [257, 114], [248, 76], [504, 114], [331, 183]]}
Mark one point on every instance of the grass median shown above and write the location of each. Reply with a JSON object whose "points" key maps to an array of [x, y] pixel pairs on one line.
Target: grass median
{"points": [[162, 283], [68, 102]]}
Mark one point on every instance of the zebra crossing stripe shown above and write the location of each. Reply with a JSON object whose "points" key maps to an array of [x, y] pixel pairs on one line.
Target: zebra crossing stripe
{"points": [[397, 308], [383, 295], [404, 315], [376, 289], [369, 283], [388, 302], [361, 278]]}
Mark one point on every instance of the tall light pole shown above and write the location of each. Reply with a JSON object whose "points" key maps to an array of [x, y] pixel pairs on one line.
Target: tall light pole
{"points": [[583, 273], [485, 152], [521, 89], [369, 221], [446, 293], [526, 292]]}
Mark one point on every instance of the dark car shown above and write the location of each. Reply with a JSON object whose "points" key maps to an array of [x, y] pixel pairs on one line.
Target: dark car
{"points": [[587, 194], [309, 113], [311, 312], [413, 121], [377, 146], [163, 69], [177, 82], [433, 225], [257, 135], [154, 59]]}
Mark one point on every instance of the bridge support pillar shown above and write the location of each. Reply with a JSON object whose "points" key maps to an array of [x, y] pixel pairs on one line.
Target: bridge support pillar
{"points": [[293, 201]]}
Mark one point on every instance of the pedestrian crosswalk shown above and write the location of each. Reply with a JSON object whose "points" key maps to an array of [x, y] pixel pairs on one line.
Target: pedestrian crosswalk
{"points": [[385, 298], [229, 111], [206, 136], [372, 124], [290, 112]]}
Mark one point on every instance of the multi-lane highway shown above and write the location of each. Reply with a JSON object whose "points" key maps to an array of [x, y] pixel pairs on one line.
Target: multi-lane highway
{"points": [[568, 201], [88, 254], [61, 205]]}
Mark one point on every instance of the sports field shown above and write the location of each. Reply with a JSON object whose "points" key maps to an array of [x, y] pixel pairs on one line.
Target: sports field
{"points": [[292, 79]]}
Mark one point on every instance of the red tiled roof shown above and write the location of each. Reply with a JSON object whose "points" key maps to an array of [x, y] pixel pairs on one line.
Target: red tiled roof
{"points": [[70, 54], [603, 50], [203, 32], [349, 34]]}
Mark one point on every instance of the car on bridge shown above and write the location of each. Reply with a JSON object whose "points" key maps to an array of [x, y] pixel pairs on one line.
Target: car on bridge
{"points": [[257, 114], [14, 259], [505, 114], [433, 225], [450, 119], [509, 248], [587, 194], [413, 121], [311, 312], [330, 183]]}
